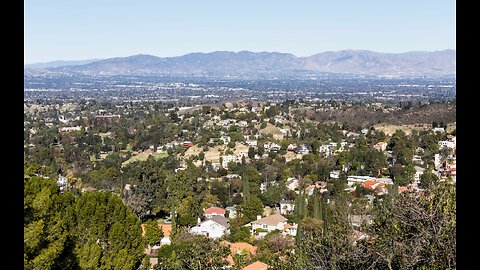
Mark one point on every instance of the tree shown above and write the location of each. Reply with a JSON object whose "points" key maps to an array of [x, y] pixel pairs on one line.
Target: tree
{"points": [[210, 200], [239, 233], [251, 209], [251, 152], [64, 231], [192, 252], [417, 231], [188, 211], [153, 233], [427, 179]]}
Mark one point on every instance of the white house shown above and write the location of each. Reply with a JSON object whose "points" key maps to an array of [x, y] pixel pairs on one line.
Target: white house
{"points": [[225, 139], [290, 229], [418, 172], [69, 129], [232, 211], [230, 158], [270, 223], [446, 144], [214, 227], [286, 207], [335, 174], [251, 143], [302, 149], [292, 183], [271, 146], [61, 181]]}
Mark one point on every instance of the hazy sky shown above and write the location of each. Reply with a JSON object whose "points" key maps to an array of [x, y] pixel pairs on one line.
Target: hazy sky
{"points": [[85, 29]]}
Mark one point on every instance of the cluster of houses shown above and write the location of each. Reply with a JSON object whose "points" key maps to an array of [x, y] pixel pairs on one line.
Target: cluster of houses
{"points": [[216, 225]]}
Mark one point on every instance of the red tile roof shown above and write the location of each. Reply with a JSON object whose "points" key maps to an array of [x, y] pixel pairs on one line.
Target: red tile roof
{"points": [[214, 210]]}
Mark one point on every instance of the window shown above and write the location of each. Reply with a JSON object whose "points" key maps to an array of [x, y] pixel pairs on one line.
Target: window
{"points": [[265, 226]]}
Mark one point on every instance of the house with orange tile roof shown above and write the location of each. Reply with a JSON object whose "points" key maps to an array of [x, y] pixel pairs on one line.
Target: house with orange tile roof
{"points": [[258, 265], [238, 248]]}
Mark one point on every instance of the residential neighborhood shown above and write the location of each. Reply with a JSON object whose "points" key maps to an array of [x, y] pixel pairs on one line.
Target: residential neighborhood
{"points": [[249, 177]]}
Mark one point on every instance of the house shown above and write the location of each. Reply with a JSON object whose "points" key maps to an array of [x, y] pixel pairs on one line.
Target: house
{"points": [[352, 179], [291, 147], [352, 134], [238, 248], [380, 146], [214, 211], [271, 146], [61, 181], [290, 229], [258, 265], [214, 227], [310, 189], [268, 224], [187, 144], [446, 144], [230, 158], [70, 129], [302, 149], [225, 139], [417, 160], [251, 143], [242, 124], [377, 187], [438, 129], [328, 149], [286, 207], [335, 174], [418, 172], [233, 176], [167, 230], [292, 183], [232, 211]]}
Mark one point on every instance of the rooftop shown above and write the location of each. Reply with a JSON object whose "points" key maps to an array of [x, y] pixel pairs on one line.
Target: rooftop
{"points": [[271, 220]]}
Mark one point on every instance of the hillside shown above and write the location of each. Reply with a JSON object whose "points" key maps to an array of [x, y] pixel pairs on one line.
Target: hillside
{"points": [[427, 114]]}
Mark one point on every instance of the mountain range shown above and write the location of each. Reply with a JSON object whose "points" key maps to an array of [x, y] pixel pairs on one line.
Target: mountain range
{"points": [[61, 63], [360, 62]]}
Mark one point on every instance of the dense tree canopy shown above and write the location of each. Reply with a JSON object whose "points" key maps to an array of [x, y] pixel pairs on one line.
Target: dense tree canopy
{"points": [[93, 230]]}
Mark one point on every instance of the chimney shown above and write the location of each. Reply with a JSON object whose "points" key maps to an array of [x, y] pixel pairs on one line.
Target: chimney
{"points": [[259, 217]]}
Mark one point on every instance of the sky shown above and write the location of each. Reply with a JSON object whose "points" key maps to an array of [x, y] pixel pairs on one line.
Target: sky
{"points": [[88, 29]]}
